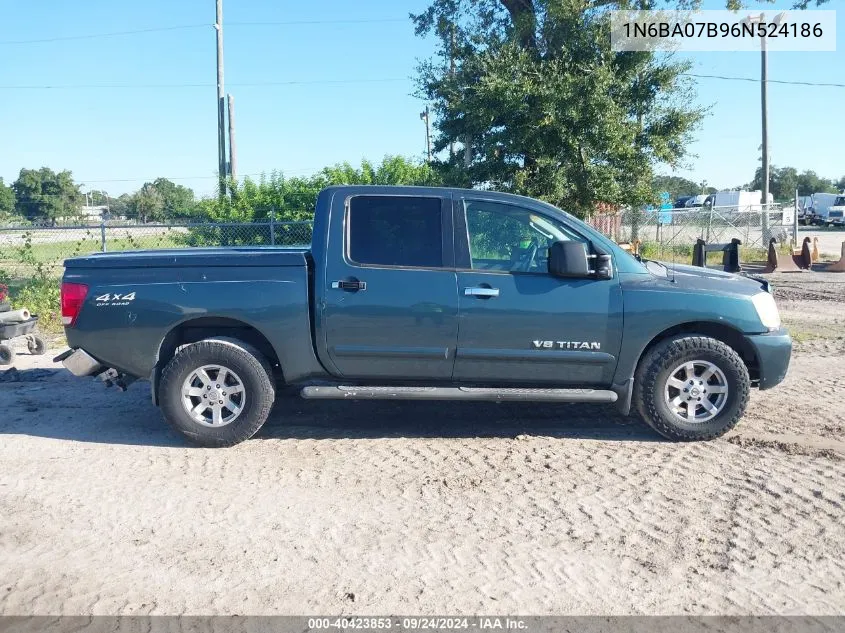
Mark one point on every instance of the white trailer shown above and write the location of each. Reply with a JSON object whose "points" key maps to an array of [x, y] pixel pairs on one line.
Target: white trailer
{"points": [[820, 209], [737, 201]]}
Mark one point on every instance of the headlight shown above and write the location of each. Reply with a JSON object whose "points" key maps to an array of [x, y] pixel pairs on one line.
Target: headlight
{"points": [[764, 303]]}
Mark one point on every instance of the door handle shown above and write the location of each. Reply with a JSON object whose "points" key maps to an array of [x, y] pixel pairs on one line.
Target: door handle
{"points": [[352, 285], [482, 293]]}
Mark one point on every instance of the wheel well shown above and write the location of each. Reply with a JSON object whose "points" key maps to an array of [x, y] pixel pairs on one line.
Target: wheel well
{"points": [[724, 333], [208, 327]]}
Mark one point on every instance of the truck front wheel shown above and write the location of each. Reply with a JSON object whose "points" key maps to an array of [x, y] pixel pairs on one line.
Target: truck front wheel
{"points": [[217, 392], [691, 388]]}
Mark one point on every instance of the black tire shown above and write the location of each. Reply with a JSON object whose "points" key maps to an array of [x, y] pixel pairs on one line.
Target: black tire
{"points": [[7, 355], [654, 371], [249, 365], [37, 346]]}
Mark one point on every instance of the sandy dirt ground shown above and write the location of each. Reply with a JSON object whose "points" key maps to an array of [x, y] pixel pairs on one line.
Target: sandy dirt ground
{"points": [[423, 508]]}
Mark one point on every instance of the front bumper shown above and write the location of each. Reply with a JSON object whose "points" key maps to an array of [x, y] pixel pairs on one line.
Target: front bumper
{"points": [[773, 351]]}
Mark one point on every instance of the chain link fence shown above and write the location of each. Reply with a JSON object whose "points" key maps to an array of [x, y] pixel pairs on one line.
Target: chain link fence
{"points": [[671, 234], [31, 251], [667, 235]]}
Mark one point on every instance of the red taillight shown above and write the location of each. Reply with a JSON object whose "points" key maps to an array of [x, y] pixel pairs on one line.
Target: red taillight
{"points": [[73, 296]]}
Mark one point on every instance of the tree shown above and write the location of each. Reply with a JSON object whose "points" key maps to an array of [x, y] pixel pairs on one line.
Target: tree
{"points": [[841, 184], [98, 198], [293, 198], [7, 201], [177, 200], [678, 186], [146, 204], [393, 170], [119, 207], [44, 195], [545, 108], [809, 182], [783, 181]]}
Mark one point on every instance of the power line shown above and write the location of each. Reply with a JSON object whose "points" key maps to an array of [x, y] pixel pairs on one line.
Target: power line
{"points": [[206, 177], [182, 27], [310, 82], [308, 22], [304, 82], [771, 81], [91, 36]]}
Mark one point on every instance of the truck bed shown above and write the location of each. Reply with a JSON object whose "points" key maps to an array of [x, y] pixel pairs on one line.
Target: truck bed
{"points": [[139, 302], [214, 256]]}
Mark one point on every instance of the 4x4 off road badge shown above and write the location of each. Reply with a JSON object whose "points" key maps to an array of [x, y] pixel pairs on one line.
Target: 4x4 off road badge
{"points": [[114, 299]]}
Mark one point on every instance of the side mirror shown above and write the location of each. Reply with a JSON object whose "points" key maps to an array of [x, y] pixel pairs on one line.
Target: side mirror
{"points": [[604, 268], [569, 259]]}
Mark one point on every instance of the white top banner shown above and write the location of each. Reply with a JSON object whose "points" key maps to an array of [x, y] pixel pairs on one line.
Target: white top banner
{"points": [[723, 30]]}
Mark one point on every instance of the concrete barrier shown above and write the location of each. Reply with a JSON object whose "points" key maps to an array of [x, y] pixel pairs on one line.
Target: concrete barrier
{"points": [[782, 263], [730, 254]]}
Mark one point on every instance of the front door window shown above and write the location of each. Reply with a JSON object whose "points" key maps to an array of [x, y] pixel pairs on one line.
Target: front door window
{"points": [[508, 238]]}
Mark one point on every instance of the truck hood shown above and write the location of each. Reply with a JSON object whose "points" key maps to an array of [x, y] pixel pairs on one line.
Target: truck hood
{"points": [[191, 257], [708, 280]]}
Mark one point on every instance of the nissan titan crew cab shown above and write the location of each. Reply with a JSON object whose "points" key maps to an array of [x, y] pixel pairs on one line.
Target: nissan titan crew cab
{"points": [[422, 293]]}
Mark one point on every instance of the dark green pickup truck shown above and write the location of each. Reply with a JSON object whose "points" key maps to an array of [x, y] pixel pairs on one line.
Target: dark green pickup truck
{"points": [[423, 293]]}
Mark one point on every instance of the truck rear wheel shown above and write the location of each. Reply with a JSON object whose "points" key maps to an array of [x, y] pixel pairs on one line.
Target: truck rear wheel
{"points": [[217, 392], [691, 388]]}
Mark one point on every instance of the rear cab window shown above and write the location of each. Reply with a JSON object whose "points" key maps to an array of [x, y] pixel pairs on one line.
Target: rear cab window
{"points": [[396, 231]]}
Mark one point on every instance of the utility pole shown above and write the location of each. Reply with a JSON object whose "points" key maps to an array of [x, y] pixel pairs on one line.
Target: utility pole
{"points": [[233, 153], [452, 77], [221, 103], [764, 99], [424, 116], [764, 107]]}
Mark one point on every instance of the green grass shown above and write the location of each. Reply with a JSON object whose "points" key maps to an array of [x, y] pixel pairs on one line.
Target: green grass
{"points": [[682, 253], [41, 297], [33, 258], [33, 270]]}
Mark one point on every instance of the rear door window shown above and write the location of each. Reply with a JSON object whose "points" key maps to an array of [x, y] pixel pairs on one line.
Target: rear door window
{"points": [[401, 231]]}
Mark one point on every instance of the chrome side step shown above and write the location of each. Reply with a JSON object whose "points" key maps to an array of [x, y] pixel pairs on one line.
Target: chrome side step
{"points": [[457, 393]]}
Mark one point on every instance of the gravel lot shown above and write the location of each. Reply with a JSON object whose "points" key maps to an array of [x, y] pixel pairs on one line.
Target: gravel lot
{"points": [[376, 508]]}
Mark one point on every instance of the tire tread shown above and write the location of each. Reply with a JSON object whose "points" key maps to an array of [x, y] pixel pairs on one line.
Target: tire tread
{"points": [[196, 354], [669, 352]]}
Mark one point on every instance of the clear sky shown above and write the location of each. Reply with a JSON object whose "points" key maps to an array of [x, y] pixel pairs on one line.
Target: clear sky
{"points": [[357, 62]]}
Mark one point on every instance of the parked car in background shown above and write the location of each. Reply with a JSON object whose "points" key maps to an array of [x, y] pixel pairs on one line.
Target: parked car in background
{"points": [[805, 204], [695, 201], [681, 202], [836, 213]]}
